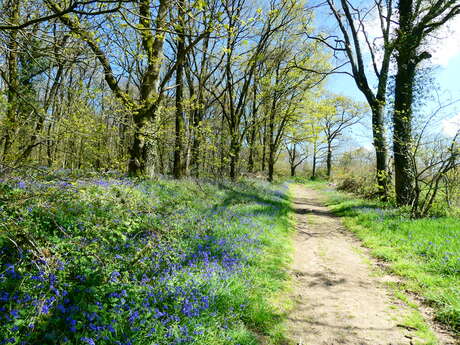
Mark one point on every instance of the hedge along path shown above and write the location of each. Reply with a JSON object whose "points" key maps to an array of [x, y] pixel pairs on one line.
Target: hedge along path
{"points": [[338, 299]]}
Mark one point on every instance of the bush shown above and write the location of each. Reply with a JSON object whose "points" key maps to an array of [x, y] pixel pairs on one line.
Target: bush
{"points": [[364, 186]]}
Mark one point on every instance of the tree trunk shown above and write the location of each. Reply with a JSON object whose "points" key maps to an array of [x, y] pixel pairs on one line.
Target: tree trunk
{"points": [[252, 141], [329, 159], [197, 118], [313, 169], [292, 157], [198, 113], [380, 146], [264, 146], [13, 79], [222, 147], [137, 165], [402, 129], [271, 134], [252, 136], [140, 153], [196, 142], [271, 164], [49, 146], [179, 132], [234, 156], [402, 115]]}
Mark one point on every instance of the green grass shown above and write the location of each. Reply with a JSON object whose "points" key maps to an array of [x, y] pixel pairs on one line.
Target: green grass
{"points": [[426, 252], [128, 239], [269, 273]]}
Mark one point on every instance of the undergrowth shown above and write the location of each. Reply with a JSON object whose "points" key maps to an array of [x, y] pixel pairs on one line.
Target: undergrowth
{"points": [[118, 261]]}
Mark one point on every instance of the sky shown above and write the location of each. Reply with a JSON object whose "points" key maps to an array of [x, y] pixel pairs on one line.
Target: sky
{"points": [[445, 50]]}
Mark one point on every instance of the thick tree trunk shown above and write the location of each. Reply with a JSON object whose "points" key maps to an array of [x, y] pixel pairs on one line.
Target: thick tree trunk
{"points": [[137, 161], [380, 146], [161, 158], [293, 168], [234, 156], [406, 62], [138, 151], [402, 129]]}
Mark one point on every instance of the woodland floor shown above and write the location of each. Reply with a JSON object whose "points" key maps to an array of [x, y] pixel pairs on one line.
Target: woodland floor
{"points": [[339, 294]]}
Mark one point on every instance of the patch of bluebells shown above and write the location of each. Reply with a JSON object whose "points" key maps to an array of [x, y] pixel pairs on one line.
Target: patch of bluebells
{"points": [[91, 272]]}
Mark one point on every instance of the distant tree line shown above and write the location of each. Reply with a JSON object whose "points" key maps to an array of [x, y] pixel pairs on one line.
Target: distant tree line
{"points": [[208, 88]]}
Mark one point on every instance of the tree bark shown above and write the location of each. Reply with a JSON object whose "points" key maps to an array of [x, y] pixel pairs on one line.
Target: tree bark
{"points": [[271, 143], [252, 135], [380, 147], [138, 152], [292, 158], [179, 123], [264, 146], [402, 132], [198, 114], [234, 156], [252, 141], [271, 165], [402, 115], [13, 79], [329, 159], [313, 170]]}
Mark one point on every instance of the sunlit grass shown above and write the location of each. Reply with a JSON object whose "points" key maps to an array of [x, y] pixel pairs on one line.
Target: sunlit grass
{"points": [[119, 261]]}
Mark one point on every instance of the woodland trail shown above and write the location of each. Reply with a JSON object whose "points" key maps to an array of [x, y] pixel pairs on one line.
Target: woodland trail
{"points": [[338, 297]]}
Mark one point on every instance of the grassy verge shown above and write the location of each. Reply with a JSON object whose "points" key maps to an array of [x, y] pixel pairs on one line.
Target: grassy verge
{"points": [[117, 261], [426, 252]]}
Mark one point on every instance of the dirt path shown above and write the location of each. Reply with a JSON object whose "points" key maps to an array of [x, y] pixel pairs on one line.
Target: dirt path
{"points": [[337, 297]]}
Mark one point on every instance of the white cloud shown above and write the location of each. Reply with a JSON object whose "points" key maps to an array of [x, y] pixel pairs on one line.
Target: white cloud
{"points": [[451, 126], [445, 44]]}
